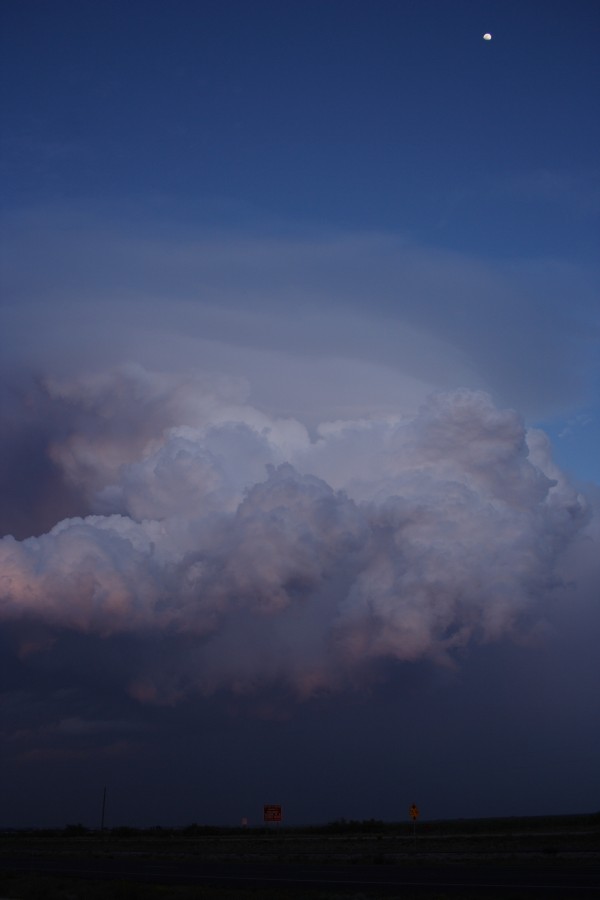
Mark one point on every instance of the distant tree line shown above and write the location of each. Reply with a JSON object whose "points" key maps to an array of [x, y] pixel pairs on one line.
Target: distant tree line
{"points": [[339, 826]]}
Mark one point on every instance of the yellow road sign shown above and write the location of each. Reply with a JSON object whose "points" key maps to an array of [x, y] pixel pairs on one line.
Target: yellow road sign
{"points": [[414, 812]]}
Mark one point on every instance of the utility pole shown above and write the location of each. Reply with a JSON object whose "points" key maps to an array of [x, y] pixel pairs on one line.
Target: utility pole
{"points": [[103, 808]]}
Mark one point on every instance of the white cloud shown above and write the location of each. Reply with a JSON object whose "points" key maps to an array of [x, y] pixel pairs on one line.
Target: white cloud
{"points": [[285, 559]]}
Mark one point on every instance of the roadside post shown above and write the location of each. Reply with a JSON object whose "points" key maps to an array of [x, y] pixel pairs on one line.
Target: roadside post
{"points": [[414, 814]]}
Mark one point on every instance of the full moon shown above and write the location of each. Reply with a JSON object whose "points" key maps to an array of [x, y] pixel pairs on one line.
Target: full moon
{"points": [[487, 36]]}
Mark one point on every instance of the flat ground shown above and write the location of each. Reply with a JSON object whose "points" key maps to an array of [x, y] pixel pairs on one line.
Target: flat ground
{"points": [[517, 858]]}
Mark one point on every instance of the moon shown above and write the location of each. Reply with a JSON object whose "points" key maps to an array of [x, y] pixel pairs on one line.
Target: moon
{"points": [[487, 36]]}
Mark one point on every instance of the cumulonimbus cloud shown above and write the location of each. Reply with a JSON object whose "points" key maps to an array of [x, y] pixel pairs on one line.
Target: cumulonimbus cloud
{"points": [[260, 554]]}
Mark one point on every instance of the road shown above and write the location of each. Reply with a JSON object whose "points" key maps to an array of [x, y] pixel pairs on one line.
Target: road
{"points": [[551, 879]]}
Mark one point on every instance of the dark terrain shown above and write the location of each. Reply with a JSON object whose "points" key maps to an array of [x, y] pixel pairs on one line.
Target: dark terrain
{"points": [[519, 858]]}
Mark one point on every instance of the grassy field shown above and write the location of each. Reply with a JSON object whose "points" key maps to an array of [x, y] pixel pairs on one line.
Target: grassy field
{"points": [[367, 841], [551, 841]]}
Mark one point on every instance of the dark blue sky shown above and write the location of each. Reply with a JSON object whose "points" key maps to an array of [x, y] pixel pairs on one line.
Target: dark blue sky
{"points": [[301, 408], [387, 116]]}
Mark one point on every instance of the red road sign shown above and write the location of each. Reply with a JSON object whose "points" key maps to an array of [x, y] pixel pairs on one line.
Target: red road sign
{"points": [[272, 812]]}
